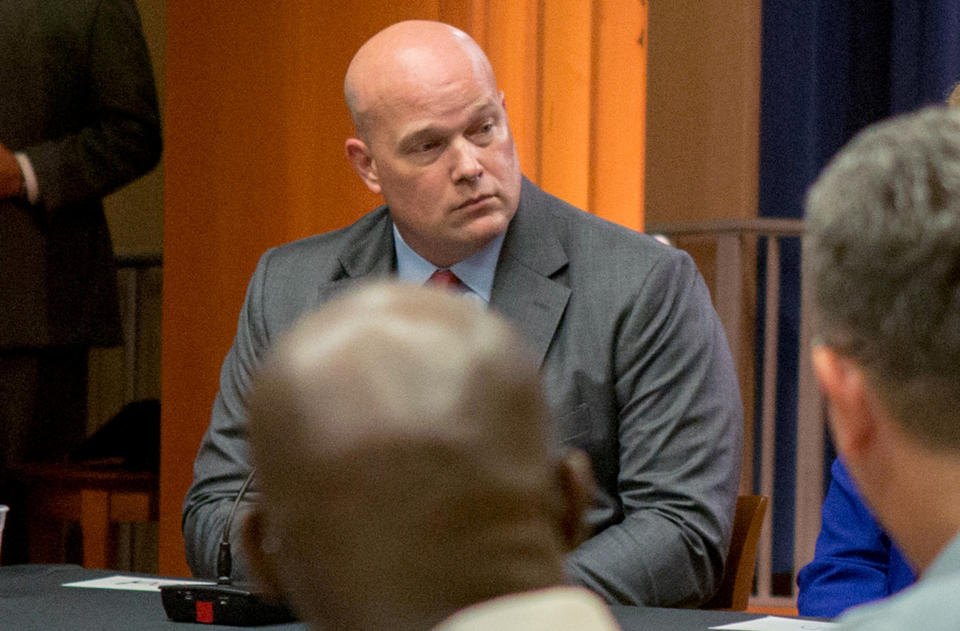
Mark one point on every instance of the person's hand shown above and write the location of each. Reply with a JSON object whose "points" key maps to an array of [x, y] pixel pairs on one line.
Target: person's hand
{"points": [[10, 176]]}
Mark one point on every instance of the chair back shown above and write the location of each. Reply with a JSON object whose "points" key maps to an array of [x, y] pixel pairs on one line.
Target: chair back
{"points": [[737, 581]]}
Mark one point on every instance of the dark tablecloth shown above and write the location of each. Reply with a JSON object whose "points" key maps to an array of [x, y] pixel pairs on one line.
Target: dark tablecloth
{"points": [[32, 599]]}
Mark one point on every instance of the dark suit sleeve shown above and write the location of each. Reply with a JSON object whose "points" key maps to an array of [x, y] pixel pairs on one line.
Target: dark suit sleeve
{"points": [[223, 461], [679, 435], [119, 136], [855, 562]]}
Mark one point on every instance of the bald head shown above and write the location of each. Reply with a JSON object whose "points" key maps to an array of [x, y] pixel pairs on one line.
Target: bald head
{"points": [[401, 441], [408, 57], [433, 139]]}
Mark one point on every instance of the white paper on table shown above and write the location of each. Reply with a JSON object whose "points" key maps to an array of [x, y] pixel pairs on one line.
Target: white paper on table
{"points": [[133, 583], [776, 623]]}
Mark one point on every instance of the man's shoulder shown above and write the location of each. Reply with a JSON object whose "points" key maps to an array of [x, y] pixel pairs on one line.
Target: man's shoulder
{"points": [[328, 248], [301, 274], [561, 607], [587, 239], [931, 605], [546, 206]]}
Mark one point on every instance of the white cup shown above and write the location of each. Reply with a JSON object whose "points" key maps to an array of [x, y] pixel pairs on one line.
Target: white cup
{"points": [[3, 518]]}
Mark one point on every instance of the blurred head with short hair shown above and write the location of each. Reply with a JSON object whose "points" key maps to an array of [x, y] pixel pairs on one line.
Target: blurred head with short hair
{"points": [[402, 446], [882, 252]]}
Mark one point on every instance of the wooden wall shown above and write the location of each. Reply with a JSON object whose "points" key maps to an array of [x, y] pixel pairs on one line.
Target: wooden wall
{"points": [[255, 125], [703, 115]]}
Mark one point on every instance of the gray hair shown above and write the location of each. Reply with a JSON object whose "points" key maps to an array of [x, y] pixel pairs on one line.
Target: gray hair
{"points": [[400, 436], [882, 248]]}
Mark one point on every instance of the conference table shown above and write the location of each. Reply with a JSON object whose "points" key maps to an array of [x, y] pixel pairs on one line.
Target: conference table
{"points": [[32, 597]]}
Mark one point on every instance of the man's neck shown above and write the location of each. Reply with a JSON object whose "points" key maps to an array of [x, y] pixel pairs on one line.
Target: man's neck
{"points": [[922, 504]]}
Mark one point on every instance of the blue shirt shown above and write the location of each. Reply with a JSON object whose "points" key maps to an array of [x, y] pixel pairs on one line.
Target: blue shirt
{"points": [[475, 272], [855, 561]]}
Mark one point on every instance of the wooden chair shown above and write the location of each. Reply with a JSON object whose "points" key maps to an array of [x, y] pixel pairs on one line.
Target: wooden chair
{"points": [[97, 497], [737, 581]]}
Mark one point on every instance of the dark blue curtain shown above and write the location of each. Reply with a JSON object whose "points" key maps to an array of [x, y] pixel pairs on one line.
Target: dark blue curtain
{"points": [[829, 68]]}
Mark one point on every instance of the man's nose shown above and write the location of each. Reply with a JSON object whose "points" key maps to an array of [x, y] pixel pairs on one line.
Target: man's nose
{"points": [[466, 166]]}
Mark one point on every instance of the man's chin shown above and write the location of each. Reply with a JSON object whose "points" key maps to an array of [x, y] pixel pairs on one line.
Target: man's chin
{"points": [[488, 224], [486, 230], [466, 244]]}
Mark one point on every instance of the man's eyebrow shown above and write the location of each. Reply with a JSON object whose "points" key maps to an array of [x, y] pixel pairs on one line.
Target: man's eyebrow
{"points": [[428, 131], [484, 108], [420, 134]]}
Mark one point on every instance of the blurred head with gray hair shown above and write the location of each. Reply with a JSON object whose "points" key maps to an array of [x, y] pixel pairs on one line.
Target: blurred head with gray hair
{"points": [[402, 445], [882, 246], [882, 254]]}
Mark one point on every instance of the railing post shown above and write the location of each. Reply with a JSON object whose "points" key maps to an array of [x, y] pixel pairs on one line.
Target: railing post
{"points": [[729, 287], [768, 414], [130, 320], [810, 440]]}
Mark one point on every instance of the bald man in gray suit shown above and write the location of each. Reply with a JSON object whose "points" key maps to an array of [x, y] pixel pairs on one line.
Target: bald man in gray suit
{"points": [[634, 363]]}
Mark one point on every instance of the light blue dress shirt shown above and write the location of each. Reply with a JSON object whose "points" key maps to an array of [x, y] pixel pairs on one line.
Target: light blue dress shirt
{"points": [[475, 272]]}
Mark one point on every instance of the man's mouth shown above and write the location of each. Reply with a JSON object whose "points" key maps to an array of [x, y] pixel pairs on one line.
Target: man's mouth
{"points": [[474, 200]]}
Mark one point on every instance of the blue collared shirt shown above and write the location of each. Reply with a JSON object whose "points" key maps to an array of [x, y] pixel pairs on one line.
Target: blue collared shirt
{"points": [[475, 272]]}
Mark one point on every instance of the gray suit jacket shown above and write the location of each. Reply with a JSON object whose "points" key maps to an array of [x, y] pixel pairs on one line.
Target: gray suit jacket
{"points": [[77, 97], [635, 368]]}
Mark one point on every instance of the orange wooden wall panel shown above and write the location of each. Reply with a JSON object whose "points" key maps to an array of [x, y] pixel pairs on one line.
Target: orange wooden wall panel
{"points": [[255, 126], [509, 34], [467, 15], [565, 130], [619, 112]]}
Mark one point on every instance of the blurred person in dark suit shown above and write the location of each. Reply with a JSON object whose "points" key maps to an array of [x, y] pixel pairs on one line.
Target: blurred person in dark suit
{"points": [[78, 119]]}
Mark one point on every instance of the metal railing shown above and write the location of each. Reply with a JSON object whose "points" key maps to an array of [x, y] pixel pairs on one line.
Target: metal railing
{"points": [[131, 271], [736, 241]]}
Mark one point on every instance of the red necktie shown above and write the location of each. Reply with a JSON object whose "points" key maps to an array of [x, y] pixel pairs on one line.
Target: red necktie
{"points": [[446, 279]]}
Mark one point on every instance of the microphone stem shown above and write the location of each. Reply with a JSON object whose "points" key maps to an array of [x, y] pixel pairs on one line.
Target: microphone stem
{"points": [[224, 555]]}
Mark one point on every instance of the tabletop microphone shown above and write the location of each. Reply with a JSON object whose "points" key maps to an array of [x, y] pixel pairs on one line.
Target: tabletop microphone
{"points": [[225, 603]]}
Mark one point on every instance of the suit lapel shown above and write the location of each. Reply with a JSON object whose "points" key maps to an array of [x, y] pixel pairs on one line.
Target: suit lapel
{"points": [[369, 254], [525, 286]]}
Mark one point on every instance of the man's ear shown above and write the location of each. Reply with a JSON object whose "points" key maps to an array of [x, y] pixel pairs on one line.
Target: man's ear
{"points": [[260, 549], [844, 385], [577, 486], [362, 160]]}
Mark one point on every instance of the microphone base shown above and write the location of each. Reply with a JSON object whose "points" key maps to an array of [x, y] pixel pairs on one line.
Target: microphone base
{"points": [[236, 605]]}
